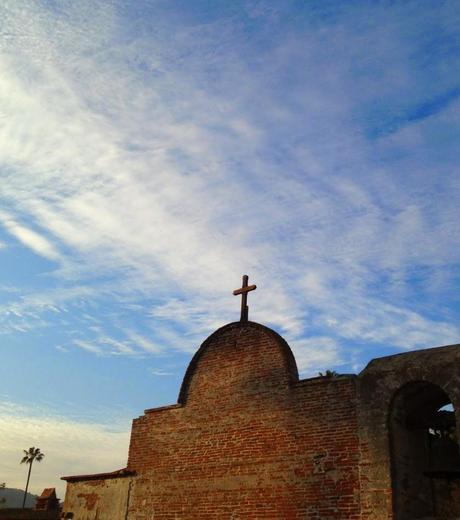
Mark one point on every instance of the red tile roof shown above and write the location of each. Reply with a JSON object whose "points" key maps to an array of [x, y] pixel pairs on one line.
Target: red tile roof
{"points": [[48, 493], [124, 472]]}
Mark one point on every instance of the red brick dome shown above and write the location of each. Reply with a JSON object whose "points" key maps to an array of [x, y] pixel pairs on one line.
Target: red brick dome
{"points": [[243, 357]]}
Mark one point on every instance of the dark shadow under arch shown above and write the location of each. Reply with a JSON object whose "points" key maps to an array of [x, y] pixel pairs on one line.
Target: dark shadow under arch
{"points": [[425, 456]]}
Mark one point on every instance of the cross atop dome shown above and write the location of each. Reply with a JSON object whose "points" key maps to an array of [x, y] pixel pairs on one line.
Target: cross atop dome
{"points": [[244, 297]]}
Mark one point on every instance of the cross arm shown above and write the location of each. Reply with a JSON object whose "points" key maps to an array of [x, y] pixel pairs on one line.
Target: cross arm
{"points": [[243, 290]]}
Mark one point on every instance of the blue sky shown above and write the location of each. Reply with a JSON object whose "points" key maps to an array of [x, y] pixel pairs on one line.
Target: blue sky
{"points": [[152, 152]]}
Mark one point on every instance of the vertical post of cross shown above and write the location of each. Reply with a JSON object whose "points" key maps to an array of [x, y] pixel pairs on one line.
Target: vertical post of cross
{"points": [[244, 297]]}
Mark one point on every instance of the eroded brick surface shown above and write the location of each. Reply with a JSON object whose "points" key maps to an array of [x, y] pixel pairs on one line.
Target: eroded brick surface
{"points": [[383, 487], [97, 499], [248, 440]]}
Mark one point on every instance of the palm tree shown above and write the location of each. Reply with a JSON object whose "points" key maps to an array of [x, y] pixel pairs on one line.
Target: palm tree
{"points": [[3, 499], [29, 456]]}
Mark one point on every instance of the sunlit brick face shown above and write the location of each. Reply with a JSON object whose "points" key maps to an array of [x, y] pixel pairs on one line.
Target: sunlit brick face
{"points": [[248, 440]]}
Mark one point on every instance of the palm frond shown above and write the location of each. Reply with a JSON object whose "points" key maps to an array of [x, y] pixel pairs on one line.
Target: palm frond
{"points": [[32, 454]]}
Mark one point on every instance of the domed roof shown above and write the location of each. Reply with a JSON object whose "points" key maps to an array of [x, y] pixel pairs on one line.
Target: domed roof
{"points": [[242, 358]]}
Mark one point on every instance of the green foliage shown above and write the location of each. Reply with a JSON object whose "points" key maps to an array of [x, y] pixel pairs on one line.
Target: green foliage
{"points": [[32, 454], [29, 456], [328, 373]]}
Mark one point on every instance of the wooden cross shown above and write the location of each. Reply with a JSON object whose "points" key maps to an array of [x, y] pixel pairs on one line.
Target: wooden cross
{"points": [[244, 297]]}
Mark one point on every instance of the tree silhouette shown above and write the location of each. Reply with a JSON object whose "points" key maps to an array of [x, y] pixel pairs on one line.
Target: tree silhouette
{"points": [[30, 455], [3, 499], [328, 373]]}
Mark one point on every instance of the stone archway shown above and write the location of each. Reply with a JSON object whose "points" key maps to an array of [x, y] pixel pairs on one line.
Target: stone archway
{"points": [[425, 455]]}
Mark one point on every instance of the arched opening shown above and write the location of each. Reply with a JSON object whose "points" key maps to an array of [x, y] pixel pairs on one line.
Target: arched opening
{"points": [[425, 453]]}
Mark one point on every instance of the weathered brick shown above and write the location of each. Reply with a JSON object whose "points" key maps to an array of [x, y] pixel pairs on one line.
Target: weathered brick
{"points": [[248, 440]]}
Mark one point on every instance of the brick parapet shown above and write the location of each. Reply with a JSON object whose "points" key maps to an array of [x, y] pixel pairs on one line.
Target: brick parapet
{"points": [[251, 440]]}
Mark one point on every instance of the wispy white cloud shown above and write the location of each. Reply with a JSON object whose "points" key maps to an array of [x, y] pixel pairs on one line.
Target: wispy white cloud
{"points": [[144, 343], [31, 239], [70, 447], [88, 346], [25, 311], [160, 372], [165, 170], [106, 346], [118, 347], [316, 354]]}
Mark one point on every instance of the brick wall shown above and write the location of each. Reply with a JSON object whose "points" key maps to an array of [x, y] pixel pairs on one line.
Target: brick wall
{"points": [[382, 485], [248, 440]]}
